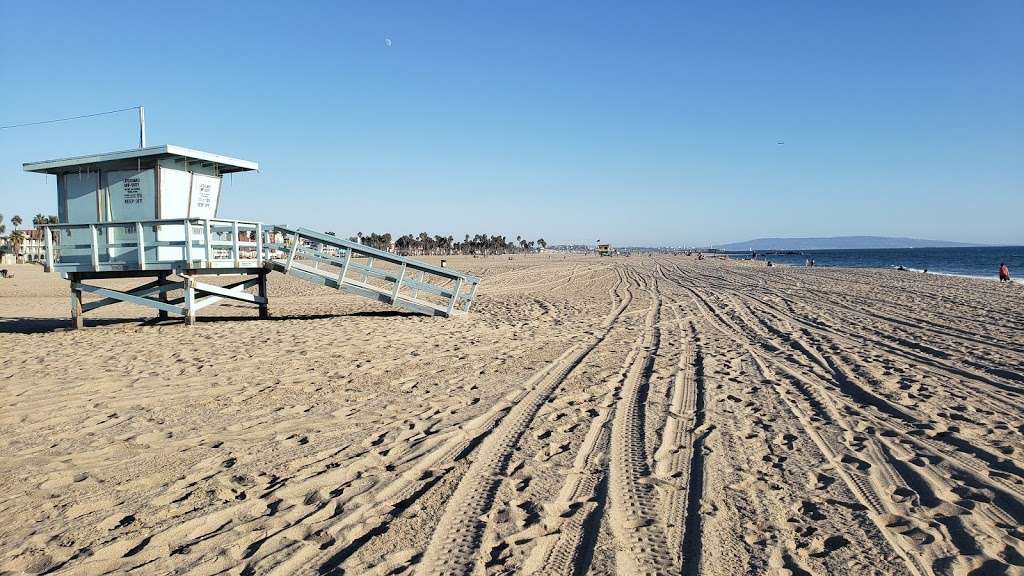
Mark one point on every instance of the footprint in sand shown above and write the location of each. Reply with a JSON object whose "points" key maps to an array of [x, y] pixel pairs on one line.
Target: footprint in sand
{"points": [[819, 480], [823, 546]]}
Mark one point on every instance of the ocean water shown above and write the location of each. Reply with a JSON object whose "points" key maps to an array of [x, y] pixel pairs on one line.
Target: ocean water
{"points": [[982, 262]]}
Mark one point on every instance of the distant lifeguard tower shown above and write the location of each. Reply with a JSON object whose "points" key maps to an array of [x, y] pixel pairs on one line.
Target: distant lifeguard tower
{"points": [[152, 212], [604, 250]]}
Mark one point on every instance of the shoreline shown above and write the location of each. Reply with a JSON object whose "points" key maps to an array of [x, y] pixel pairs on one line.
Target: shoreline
{"points": [[992, 278]]}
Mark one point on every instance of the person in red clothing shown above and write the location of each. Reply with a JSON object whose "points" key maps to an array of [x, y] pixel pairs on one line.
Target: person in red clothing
{"points": [[1004, 272]]}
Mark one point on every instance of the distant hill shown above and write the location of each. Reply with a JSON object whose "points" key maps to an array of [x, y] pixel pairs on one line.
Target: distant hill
{"points": [[838, 243]]}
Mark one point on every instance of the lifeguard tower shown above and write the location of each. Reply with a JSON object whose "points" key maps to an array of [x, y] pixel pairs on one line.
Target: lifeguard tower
{"points": [[152, 212], [604, 250]]}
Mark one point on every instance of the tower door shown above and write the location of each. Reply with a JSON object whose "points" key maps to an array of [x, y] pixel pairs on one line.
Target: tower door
{"points": [[81, 206]]}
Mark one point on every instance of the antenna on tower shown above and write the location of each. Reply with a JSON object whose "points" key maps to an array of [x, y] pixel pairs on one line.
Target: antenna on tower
{"points": [[142, 126]]}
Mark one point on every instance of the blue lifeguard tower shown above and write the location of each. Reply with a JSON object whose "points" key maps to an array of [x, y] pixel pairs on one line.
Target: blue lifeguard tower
{"points": [[154, 212]]}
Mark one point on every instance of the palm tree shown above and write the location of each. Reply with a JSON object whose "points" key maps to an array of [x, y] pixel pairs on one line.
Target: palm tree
{"points": [[542, 243], [17, 239], [403, 243], [16, 221], [40, 219]]}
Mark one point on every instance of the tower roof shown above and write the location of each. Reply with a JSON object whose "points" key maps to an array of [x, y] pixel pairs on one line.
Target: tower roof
{"points": [[225, 164]]}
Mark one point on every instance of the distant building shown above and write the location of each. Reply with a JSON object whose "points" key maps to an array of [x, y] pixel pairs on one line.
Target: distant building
{"points": [[33, 247], [604, 250]]}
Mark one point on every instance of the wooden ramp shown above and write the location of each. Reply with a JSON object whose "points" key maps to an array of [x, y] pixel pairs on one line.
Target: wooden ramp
{"points": [[375, 274]]}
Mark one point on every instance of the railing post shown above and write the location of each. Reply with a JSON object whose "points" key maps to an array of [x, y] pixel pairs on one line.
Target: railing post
{"points": [[369, 265], [234, 242], [140, 246], [455, 296], [259, 244], [291, 254], [344, 267], [469, 299], [94, 246], [188, 243], [49, 249], [398, 284], [416, 291], [208, 251]]}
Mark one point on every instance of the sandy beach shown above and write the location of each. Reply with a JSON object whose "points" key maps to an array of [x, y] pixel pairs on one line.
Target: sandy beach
{"points": [[640, 415]]}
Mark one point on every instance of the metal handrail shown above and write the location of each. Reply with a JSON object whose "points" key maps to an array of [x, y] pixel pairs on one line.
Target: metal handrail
{"points": [[207, 242], [410, 274], [374, 252]]}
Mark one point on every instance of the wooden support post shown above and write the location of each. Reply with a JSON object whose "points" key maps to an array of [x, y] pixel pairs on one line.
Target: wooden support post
{"points": [[262, 292], [162, 279], [190, 300], [77, 320]]}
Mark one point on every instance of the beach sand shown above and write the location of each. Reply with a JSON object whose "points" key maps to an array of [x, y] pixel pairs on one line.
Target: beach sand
{"points": [[592, 415]]}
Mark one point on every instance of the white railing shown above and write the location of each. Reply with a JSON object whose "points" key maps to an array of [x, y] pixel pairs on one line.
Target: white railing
{"points": [[155, 244], [182, 244], [372, 273]]}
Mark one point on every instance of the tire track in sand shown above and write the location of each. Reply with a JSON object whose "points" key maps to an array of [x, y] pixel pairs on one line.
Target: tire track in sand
{"points": [[369, 512], [573, 519], [679, 460], [920, 503], [844, 463], [634, 517], [454, 545]]}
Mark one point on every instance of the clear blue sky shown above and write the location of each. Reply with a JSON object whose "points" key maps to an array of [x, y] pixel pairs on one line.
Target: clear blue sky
{"points": [[637, 124]]}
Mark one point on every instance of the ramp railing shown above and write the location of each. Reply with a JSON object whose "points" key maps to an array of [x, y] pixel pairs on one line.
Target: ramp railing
{"points": [[376, 274]]}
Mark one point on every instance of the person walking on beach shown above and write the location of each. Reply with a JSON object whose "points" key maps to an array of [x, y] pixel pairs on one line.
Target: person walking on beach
{"points": [[1004, 272]]}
